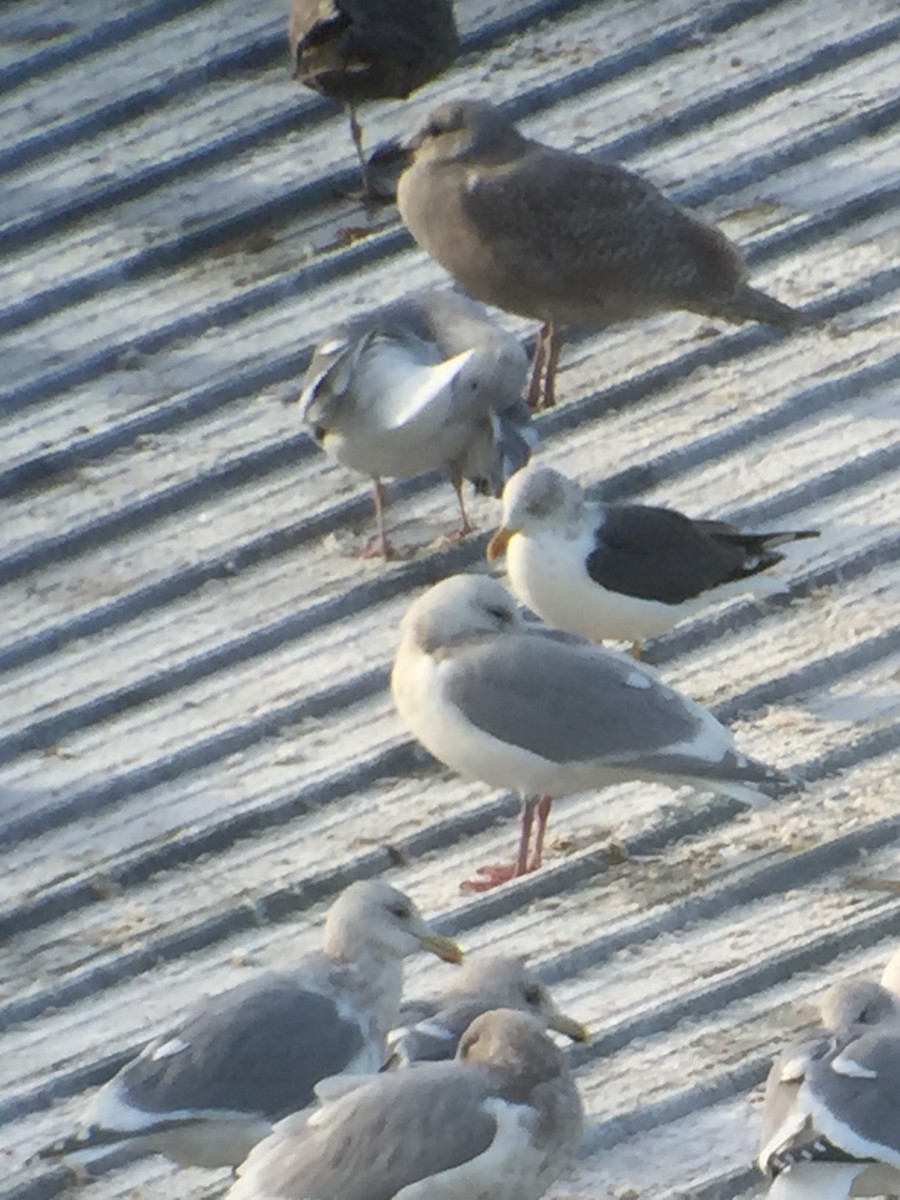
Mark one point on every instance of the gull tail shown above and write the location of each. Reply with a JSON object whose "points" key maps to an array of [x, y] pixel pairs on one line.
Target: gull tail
{"points": [[734, 774], [85, 1143], [768, 540], [760, 548], [750, 304], [754, 782]]}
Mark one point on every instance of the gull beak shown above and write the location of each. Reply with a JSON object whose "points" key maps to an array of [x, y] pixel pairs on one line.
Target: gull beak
{"points": [[445, 948], [498, 543], [395, 154], [571, 1029]]}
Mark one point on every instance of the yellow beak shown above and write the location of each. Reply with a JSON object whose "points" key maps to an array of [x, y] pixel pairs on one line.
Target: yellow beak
{"points": [[571, 1029], [443, 947], [498, 543]]}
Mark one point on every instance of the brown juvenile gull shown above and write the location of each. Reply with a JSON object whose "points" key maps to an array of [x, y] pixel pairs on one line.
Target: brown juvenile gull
{"points": [[525, 707], [205, 1092], [830, 1126], [501, 1121], [430, 1030], [625, 572], [356, 50], [562, 237], [426, 383]]}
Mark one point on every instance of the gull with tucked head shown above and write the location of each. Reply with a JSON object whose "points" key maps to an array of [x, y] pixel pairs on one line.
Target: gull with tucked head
{"points": [[431, 1029], [502, 1120], [206, 1091], [426, 383], [524, 707], [829, 1126], [624, 572], [562, 237]]}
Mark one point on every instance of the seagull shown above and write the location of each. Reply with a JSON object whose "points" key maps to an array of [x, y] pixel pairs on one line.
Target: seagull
{"points": [[430, 1030], [502, 1120], [206, 1091], [562, 237], [622, 571], [547, 714], [426, 383], [355, 50], [830, 1111]]}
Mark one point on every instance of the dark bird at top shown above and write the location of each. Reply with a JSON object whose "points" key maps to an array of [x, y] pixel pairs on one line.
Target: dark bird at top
{"points": [[356, 50], [563, 237]]}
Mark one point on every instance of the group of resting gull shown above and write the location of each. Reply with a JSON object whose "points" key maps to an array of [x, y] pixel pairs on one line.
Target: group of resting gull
{"points": [[321, 1082]]}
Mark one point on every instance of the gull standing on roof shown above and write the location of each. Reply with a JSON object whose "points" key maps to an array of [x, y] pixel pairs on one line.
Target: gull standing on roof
{"points": [[209, 1089], [624, 572], [562, 237], [524, 707], [426, 383], [830, 1127], [356, 50], [502, 1120], [430, 1030]]}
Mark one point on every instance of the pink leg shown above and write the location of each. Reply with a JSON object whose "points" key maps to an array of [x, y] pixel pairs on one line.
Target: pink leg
{"points": [[381, 546], [535, 387], [466, 527], [554, 348], [543, 815], [495, 874]]}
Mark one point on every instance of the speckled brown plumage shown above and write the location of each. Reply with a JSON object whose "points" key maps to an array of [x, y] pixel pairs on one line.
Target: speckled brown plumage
{"points": [[356, 50], [562, 237]]}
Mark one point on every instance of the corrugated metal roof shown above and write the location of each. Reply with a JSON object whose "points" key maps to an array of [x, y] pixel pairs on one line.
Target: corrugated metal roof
{"points": [[198, 749]]}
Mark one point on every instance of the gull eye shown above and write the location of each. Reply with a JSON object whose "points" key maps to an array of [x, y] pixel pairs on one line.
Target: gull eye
{"points": [[532, 995], [501, 614], [401, 912]]}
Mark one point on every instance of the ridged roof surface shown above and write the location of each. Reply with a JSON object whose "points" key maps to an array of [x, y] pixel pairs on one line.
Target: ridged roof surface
{"points": [[198, 748]]}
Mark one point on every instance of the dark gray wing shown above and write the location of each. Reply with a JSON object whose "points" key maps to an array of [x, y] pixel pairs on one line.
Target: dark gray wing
{"points": [[378, 49], [328, 382], [259, 1048], [435, 1037], [412, 1011], [431, 1042], [660, 554], [859, 1087], [571, 702], [405, 42], [782, 1089], [389, 1133]]}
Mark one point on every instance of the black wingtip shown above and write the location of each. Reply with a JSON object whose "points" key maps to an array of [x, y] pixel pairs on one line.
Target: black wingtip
{"points": [[64, 1147], [820, 1149], [751, 304], [769, 782], [778, 785]]}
